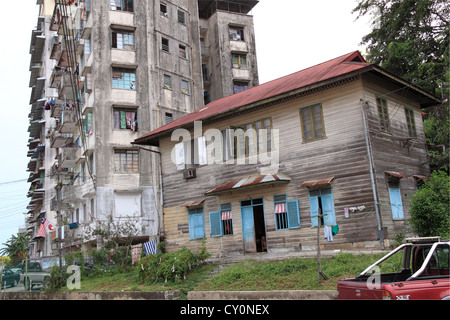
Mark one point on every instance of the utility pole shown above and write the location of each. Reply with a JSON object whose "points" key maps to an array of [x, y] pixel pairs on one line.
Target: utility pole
{"points": [[320, 274]]}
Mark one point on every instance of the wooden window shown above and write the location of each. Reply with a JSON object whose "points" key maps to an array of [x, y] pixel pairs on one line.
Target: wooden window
{"points": [[287, 215], [196, 224], [123, 78], [121, 39], [312, 122], [221, 222], [246, 142], [126, 161], [165, 44], [239, 61], [226, 216], [191, 153], [125, 119], [395, 198], [383, 114], [409, 113], [236, 33], [121, 5], [321, 202]]}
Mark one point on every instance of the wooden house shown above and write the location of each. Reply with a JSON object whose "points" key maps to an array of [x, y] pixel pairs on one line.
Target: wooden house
{"points": [[340, 144]]}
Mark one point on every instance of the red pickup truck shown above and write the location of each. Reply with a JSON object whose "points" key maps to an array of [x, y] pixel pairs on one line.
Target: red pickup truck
{"points": [[417, 270]]}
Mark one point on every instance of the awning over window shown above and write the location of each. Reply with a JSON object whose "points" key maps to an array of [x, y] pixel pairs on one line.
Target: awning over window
{"points": [[249, 181], [193, 203], [395, 174], [421, 177], [317, 183]]}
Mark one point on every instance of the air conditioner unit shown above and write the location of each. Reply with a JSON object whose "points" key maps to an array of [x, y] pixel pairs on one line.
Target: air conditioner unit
{"points": [[190, 173]]}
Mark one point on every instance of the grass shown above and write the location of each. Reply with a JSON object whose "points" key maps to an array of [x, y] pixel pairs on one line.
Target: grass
{"points": [[292, 274], [250, 275]]}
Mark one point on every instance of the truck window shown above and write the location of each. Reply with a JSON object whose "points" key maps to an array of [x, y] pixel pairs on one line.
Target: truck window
{"points": [[393, 264], [439, 263]]}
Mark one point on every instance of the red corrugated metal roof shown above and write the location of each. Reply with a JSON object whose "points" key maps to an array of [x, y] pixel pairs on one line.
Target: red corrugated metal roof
{"points": [[339, 66]]}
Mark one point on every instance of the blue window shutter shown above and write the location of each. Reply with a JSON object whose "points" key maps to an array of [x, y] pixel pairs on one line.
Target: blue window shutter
{"points": [[314, 209], [215, 224], [396, 203], [328, 210], [293, 214], [196, 226]]}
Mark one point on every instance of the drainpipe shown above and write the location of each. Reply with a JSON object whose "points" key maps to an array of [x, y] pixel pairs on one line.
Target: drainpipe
{"points": [[161, 205], [372, 175]]}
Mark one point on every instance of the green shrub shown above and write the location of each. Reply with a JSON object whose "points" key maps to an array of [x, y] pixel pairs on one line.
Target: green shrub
{"points": [[169, 267], [430, 207]]}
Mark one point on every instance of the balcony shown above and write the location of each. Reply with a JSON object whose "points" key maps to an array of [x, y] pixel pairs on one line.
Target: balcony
{"points": [[69, 121], [62, 172], [55, 78], [66, 88], [70, 157], [62, 22], [55, 46], [61, 140]]}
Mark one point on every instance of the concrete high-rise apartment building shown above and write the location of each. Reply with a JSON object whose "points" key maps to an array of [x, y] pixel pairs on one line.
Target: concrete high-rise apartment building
{"points": [[105, 72]]}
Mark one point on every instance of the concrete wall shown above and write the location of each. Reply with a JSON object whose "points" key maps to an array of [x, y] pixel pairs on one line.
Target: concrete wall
{"points": [[80, 295], [173, 295], [264, 295]]}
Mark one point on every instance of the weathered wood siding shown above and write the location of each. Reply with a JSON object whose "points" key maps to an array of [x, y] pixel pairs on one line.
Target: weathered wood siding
{"points": [[391, 151], [341, 154]]}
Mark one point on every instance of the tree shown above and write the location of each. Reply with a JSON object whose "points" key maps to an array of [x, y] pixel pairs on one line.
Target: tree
{"points": [[409, 38], [16, 247], [114, 234], [430, 207]]}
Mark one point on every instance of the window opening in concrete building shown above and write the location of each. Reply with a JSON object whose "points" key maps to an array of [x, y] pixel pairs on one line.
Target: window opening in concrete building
{"points": [[165, 44], [185, 87], [169, 117], [125, 119], [123, 78], [182, 51], [167, 82], [126, 161], [236, 33], [122, 39], [121, 5], [163, 9], [239, 86], [239, 60], [181, 17]]}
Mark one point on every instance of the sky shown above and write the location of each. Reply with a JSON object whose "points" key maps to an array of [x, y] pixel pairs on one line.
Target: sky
{"points": [[291, 35]]}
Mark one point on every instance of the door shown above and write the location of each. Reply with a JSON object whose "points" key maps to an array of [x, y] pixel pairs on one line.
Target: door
{"points": [[248, 229]]}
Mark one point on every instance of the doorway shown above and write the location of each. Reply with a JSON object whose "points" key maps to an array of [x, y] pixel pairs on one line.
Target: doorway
{"points": [[253, 225]]}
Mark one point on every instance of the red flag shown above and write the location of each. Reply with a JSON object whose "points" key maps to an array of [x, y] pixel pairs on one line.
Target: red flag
{"points": [[44, 224]]}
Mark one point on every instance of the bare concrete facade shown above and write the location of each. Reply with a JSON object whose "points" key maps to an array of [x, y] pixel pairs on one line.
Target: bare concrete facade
{"points": [[114, 70]]}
